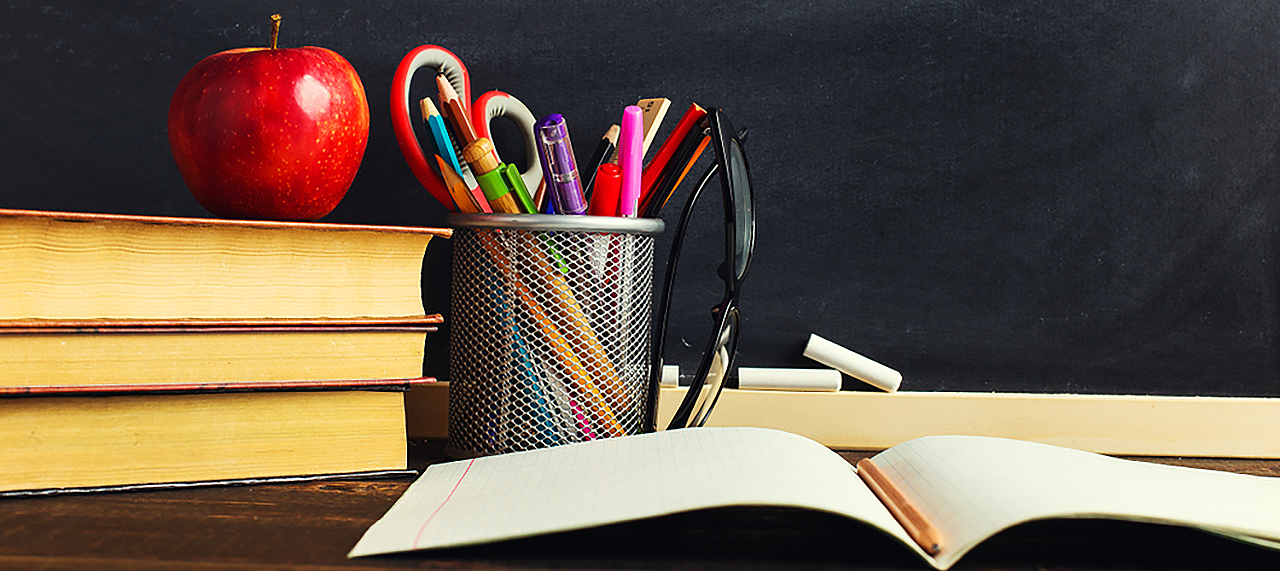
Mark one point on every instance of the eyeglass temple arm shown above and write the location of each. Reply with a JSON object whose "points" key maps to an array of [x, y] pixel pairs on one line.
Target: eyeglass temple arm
{"points": [[685, 413], [664, 304]]}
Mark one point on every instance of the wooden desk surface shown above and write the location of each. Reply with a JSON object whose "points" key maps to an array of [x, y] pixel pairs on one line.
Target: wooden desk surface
{"points": [[313, 525]]}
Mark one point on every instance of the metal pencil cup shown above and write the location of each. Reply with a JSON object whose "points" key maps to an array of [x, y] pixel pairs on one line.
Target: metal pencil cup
{"points": [[549, 330]]}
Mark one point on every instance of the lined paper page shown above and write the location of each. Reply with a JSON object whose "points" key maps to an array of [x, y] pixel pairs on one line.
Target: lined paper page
{"points": [[622, 479], [973, 487]]}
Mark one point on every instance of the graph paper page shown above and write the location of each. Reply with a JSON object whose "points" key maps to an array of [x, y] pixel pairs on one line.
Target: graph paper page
{"points": [[972, 487], [601, 482]]}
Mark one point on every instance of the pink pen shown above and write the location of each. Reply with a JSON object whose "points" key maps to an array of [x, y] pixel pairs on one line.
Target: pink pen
{"points": [[630, 159]]}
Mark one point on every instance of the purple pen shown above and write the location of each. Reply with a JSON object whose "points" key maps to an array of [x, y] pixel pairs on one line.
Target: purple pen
{"points": [[559, 167]]}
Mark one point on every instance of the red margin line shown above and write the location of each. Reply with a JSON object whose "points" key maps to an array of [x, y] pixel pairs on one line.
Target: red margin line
{"points": [[418, 537]]}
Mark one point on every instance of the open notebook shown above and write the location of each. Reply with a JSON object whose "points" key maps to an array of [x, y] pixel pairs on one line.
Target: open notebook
{"points": [[960, 489]]}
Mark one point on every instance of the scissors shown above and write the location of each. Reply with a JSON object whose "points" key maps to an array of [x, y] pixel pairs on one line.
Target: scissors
{"points": [[490, 105]]}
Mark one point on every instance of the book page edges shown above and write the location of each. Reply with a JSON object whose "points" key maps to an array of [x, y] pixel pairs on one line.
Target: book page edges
{"points": [[214, 268], [93, 441], [88, 359]]}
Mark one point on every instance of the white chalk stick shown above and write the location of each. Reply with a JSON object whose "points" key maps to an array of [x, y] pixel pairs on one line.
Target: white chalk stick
{"points": [[788, 379], [670, 376], [852, 364]]}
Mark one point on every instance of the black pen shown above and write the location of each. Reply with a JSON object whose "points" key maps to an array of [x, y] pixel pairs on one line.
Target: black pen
{"points": [[604, 150]]}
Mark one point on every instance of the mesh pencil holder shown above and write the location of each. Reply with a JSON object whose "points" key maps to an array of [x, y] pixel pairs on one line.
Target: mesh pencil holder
{"points": [[549, 330]]}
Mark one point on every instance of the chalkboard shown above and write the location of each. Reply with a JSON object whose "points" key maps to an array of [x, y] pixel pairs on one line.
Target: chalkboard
{"points": [[1039, 196]]}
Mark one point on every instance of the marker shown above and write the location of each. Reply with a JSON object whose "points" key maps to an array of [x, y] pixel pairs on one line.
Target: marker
{"points": [[603, 151], [463, 196], [852, 364], [652, 111], [604, 199], [630, 155], [545, 186], [515, 182], [486, 167], [559, 167]]}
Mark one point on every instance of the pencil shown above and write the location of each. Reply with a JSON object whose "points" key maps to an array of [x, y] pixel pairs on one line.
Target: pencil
{"points": [[457, 112], [676, 168], [604, 150], [467, 202], [654, 170], [916, 525]]}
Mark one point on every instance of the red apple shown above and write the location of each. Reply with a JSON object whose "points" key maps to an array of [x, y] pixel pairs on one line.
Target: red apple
{"points": [[269, 133]]}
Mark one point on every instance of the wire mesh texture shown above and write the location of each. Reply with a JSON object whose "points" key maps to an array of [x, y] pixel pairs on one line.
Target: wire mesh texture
{"points": [[549, 337]]}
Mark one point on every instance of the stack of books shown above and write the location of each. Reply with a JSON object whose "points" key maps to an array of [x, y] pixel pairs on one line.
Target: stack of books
{"points": [[140, 350]]}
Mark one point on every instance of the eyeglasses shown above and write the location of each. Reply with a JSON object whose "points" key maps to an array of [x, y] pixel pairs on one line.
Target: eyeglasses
{"points": [[740, 227]]}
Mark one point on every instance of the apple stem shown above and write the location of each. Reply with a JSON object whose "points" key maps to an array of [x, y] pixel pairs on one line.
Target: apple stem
{"points": [[275, 30]]}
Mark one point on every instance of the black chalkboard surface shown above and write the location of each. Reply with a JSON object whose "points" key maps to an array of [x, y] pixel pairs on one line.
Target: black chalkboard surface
{"points": [[1040, 196]]}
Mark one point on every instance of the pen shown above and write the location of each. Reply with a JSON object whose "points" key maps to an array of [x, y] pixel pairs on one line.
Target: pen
{"points": [[630, 155], [486, 168], [559, 167], [604, 199], [603, 151]]}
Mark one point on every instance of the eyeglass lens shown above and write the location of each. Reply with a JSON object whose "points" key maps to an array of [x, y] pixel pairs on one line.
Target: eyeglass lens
{"points": [[744, 226]]}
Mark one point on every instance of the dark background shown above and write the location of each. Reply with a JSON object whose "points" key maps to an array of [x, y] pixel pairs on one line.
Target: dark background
{"points": [[1038, 196]]}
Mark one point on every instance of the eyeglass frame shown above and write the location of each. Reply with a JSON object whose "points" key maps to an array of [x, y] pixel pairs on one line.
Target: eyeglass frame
{"points": [[732, 272]]}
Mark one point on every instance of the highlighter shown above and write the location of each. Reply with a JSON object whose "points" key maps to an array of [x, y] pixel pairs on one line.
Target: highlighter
{"points": [[481, 156], [630, 156], [560, 169]]}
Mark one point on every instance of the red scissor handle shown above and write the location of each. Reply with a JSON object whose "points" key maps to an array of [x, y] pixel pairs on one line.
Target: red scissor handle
{"points": [[439, 60]]}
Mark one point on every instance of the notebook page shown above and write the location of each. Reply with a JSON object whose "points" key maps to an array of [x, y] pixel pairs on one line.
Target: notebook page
{"points": [[972, 487], [621, 479]]}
